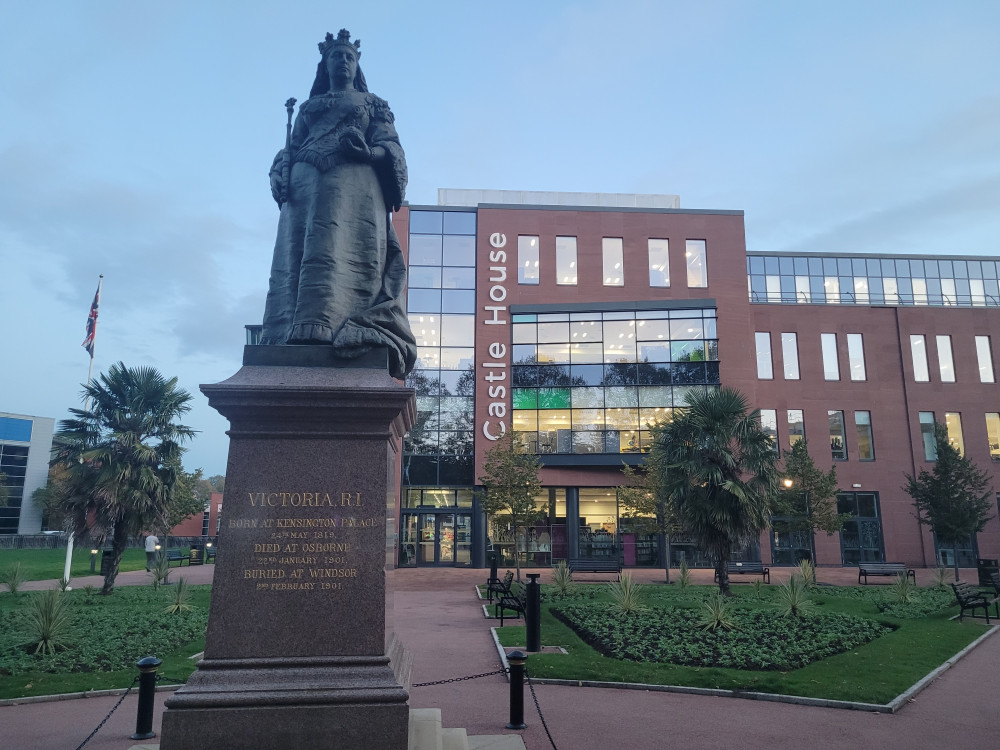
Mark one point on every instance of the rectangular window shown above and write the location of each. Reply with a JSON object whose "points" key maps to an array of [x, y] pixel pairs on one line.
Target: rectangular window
{"points": [[838, 446], [993, 434], [697, 267], [614, 262], [856, 356], [946, 363], [831, 368], [659, 263], [985, 355], [769, 425], [790, 355], [765, 370], [527, 260], [866, 443], [927, 435], [802, 294], [953, 422], [566, 260], [831, 287], [796, 426], [918, 350]]}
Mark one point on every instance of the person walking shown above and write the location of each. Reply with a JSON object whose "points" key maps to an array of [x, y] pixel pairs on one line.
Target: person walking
{"points": [[151, 542]]}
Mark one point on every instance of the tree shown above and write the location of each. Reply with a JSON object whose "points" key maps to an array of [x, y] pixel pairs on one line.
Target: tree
{"points": [[955, 498], [511, 481], [50, 498], [122, 455], [807, 499], [190, 497], [719, 469], [646, 508], [218, 482]]}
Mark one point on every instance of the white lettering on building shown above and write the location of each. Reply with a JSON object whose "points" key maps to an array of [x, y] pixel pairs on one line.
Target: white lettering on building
{"points": [[495, 371]]}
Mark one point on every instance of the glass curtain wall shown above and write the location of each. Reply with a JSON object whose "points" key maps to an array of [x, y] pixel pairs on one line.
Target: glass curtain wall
{"points": [[962, 282], [594, 382]]}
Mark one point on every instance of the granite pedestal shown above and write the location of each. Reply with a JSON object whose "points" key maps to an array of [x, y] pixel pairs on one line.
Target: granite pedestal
{"points": [[297, 651]]}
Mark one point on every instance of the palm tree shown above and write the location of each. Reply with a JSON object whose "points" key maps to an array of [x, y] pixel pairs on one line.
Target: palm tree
{"points": [[123, 456], [718, 466]]}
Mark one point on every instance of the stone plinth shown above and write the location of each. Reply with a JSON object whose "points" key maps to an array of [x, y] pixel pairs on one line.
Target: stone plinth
{"points": [[297, 651]]}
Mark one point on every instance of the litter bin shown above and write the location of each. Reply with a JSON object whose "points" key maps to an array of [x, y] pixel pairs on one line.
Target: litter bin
{"points": [[106, 558], [987, 569], [197, 556]]}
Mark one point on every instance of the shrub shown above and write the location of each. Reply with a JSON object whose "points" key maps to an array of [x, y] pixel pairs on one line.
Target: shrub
{"points": [[48, 621], [160, 572], [63, 584], [941, 578], [684, 577], [793, 598], [626, 595], [180, 599], [562, 578], [715, 614], [808, 573], [14, 577], [903, 589], [757, 586]]}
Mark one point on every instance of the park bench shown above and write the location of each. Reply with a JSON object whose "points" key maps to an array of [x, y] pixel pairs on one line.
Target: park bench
{"points": [[884, 569], [514, 602], [970, 599], [175, 555], [498, 587], [748, 568], [595, 565]]}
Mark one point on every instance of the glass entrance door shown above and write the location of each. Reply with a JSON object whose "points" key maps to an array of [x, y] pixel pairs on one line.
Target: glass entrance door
{"points": [[436, 539]]}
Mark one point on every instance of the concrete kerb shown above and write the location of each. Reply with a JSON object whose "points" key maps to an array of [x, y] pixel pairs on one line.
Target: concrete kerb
{"points": [[883, 708], [74, 696]]}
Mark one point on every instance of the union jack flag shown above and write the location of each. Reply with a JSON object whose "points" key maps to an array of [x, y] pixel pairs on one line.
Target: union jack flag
{"points": [[88, 343]]}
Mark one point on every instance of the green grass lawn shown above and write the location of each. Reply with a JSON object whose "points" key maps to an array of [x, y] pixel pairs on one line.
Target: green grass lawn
{"points": [[49, 564], [875, 672], [109, 634]]}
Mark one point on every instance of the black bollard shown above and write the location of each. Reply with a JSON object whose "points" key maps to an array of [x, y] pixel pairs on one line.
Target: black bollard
{"points": [[147, 692], [516, 660], [533, 613]]}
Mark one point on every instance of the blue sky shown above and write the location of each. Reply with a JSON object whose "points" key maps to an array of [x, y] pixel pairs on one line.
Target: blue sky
{"points": [[136, 138]]}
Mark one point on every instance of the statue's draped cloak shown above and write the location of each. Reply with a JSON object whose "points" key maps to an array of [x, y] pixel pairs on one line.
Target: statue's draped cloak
{"points": [[338, 273]]}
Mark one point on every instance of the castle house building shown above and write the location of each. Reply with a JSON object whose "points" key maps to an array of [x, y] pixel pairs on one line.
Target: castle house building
{"points": [[576, 320]]}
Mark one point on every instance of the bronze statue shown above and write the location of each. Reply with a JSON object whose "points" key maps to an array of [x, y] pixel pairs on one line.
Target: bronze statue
{"points": [[338, 274]]}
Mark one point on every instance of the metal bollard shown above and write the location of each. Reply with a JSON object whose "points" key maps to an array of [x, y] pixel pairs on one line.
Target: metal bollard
{"points": [[147, 692], [516, 660], [533, 613]]}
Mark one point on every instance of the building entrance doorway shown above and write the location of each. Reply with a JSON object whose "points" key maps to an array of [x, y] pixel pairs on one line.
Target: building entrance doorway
{"points": [[436, 539]]}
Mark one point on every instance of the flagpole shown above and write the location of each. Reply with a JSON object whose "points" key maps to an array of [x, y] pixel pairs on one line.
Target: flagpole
{"points": [[92, 336]]}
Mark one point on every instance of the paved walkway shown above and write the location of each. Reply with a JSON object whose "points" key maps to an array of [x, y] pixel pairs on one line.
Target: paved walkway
{"points": [[442, 626]]}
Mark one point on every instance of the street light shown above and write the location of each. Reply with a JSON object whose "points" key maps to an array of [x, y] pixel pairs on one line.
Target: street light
{"points": [[93, 559]]}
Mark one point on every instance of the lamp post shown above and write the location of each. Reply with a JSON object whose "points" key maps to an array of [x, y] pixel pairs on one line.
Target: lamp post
{"points": [[157, 548], [93, 560]]}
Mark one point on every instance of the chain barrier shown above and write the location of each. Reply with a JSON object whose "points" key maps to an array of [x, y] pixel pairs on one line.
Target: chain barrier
{"points": [[98, 728], [527, 678], [502, 670]]}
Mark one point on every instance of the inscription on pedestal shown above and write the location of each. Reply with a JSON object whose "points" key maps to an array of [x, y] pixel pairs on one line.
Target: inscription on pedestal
{"points": [[298, 550]]}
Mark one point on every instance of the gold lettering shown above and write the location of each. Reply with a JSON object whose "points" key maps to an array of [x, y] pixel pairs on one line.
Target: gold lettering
{"points": [[333, 572]]}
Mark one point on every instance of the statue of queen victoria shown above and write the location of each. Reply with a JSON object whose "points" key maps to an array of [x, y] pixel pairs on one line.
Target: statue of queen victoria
{"points": [[338, 275]]}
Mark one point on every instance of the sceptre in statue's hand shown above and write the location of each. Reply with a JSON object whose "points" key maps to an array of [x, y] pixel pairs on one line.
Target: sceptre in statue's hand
{"points": [[286, 156]]}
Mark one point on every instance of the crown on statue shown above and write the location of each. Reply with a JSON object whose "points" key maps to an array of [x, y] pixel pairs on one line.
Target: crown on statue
{"points": [[343, 38]]}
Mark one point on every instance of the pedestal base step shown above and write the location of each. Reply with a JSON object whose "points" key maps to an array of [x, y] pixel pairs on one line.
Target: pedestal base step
{"points": [[426, 733]]}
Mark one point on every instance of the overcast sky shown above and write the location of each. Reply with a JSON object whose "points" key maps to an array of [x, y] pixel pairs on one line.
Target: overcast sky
{"points": [[135, 140]]}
